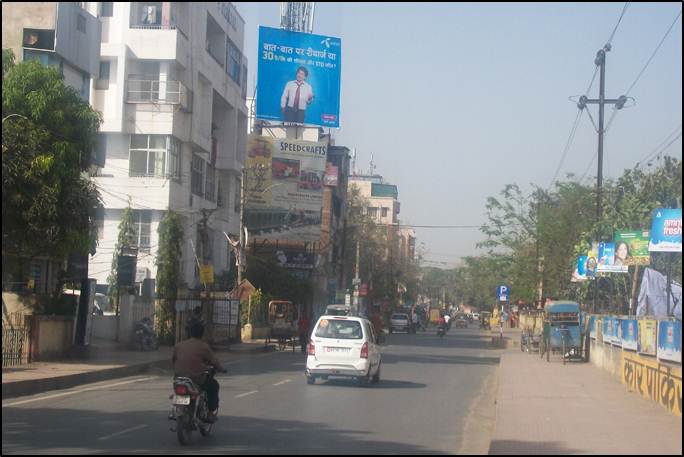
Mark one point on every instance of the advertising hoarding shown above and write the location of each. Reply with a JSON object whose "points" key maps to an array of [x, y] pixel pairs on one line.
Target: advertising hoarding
{"points": [[630, 331], [299, 77], [284, 188], [648, 330], [670, 341], [631, 248], [666, 230], [606, 260]]}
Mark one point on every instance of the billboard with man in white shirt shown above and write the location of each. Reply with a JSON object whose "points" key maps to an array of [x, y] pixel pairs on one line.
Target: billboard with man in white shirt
{"points": [[298, 78]]}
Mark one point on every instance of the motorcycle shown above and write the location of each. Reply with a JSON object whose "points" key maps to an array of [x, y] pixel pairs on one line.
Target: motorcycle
{"points": [[190, 408], [441, 330], [145, 338]]}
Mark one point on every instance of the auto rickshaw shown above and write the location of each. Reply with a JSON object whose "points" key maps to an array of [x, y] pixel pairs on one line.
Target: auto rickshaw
{"points": [[484, 320], [283, 317], [562, 331]]}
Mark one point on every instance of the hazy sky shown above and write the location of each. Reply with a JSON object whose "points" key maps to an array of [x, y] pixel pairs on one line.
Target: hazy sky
{"points": [[457, 100]]}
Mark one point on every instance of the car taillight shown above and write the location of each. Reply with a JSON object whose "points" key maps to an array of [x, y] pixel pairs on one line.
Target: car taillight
{"points": [[181, 390], [364, 351], [312, 349]]}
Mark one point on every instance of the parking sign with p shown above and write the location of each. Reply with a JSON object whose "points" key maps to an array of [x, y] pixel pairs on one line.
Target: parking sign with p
{"points": [[503, 292]]}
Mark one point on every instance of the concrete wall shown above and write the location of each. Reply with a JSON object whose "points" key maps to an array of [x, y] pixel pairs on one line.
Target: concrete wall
{"points": [[104, 327], [51, 337], [654, 380]]}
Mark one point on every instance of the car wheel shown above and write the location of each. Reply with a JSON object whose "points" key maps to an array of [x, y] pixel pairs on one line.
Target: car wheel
{"points": [[390, 330], [364, 380], [376, 377], [311, 380]]}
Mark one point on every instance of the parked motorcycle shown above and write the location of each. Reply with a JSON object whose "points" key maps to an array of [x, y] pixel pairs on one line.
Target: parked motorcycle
{"points": [[145, 338], [190, 408]]}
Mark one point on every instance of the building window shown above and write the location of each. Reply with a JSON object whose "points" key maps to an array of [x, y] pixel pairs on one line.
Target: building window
{"points": [[384, 212], [210, 193], [105, 66], [107, 9], [197, 176], [39, 39], [236, 200], [154, 155], [372, 212], [142, 221], [244, 81], [81, 23], [234, 62]]}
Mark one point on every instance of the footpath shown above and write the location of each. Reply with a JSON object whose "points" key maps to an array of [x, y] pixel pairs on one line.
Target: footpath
{"points": [[101, 361], [550, 408]]}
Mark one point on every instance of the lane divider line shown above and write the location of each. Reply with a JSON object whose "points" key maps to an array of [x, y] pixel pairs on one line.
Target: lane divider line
{"points": [[282, 382], [247, 393], [63, 394]]}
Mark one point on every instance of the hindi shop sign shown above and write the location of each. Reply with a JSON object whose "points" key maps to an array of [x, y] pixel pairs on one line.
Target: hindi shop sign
{"points": [[299, 77], [666, 231]]}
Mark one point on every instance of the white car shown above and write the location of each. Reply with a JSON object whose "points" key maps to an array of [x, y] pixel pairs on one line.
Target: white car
{"points": [[344, 346]]}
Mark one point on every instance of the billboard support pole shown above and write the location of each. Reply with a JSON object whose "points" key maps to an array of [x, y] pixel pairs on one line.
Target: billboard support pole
{"points": [[633, 298], [669, 280]]}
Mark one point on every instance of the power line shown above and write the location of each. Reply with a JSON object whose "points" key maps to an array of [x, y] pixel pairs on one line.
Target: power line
{"points": [[667, 138], [624, 9], [568, 143], [679, 135], [654, 53]]}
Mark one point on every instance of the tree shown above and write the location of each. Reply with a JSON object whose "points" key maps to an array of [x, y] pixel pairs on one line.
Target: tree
{"points": [[168, 272], [48, 134], [125, 241]]}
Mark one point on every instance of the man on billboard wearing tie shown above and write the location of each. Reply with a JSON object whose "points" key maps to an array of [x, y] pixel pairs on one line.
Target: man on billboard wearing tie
{"points": [[297, 96]]}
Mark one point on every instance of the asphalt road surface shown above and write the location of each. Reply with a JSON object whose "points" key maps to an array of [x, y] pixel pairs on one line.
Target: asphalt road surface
{"points": [[426, 402]]}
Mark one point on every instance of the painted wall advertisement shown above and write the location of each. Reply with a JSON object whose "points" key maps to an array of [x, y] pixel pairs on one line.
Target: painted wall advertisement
{"points": [[648, 330], [299, 77], [606, 259], [670, 341], [284, 188], [631, 248], [630, 331], [666, 231]]}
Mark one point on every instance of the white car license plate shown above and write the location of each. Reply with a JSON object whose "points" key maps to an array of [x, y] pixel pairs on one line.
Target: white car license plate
{"points": [[338, 350], [181, 400]]}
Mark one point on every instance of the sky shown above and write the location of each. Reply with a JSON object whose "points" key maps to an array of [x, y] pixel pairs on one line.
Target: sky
{"points": [[456, 100]]}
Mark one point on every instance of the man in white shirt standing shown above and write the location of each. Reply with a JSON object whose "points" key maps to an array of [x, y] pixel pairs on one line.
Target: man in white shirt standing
{"points": [[297, 96]]}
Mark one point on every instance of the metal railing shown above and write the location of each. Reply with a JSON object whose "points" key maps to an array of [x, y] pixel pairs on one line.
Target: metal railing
{"points": [[15, 346], [155, 91]]}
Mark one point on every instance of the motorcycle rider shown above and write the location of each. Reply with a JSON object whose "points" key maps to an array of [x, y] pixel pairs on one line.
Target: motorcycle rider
{"points": [[191, 358], [447, 318]]}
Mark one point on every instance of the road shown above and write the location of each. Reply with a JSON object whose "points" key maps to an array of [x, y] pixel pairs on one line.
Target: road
{"points": [[424, 402]]}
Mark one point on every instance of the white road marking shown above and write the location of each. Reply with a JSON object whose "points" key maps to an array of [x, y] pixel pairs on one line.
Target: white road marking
{"points": [[63, 394], [282, 382], [138, 427], [247, 393]]}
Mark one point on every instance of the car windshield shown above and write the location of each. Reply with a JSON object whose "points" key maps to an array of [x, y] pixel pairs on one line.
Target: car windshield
{"points": [[339, 329], [400, 316]]}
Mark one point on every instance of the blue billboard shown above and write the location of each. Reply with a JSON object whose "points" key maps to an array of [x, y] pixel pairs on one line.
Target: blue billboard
{"points": [[670, 341], [299, 77], [630, 334], [666, 230]]}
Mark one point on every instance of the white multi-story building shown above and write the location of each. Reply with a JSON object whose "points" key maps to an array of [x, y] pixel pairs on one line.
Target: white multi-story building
{"points": [[171, 89]]}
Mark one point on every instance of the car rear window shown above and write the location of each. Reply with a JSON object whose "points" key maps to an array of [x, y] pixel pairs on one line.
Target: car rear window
{"points": [[399, 316], [339, 329]]}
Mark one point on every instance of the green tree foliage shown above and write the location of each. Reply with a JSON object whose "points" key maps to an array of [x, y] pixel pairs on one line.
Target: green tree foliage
{"points": [[560, 224], [381, 265], [126, 239], [48, 134], [168, 272]]}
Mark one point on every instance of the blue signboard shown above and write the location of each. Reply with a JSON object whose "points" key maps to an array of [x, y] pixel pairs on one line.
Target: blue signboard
{"points": [[503, 293], [299, 77], [666, 230], [630, 334], [608, 329], [670, 341], [606, 261]]}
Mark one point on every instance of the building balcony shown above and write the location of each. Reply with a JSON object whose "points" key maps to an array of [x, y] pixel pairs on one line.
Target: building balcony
{"points": [[159, 92]]}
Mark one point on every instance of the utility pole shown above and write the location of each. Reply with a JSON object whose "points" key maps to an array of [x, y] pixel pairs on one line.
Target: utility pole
{"points": [[619, 103], [242, 253]]}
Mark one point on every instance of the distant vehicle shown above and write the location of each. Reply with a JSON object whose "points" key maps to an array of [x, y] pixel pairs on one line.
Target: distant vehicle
{"points": [[401, 322], [476, 316], [344, 346], [338, 310], [461, 321]]}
